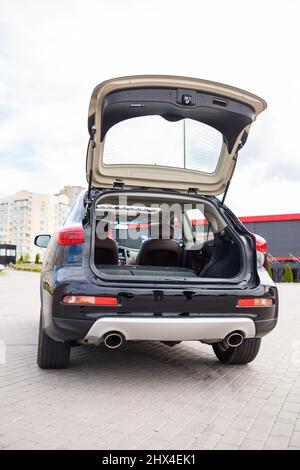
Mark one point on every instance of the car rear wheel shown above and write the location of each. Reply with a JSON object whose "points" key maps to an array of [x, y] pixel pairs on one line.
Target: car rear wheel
{"points": [[242, 354], [52, 354]]}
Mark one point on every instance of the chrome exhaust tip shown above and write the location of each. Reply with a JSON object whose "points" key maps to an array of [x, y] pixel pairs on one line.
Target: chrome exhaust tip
{"points": [[234, 339], [113, 340]]}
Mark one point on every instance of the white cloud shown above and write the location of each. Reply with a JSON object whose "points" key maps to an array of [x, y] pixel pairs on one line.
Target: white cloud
{"points": [[52, 54]]}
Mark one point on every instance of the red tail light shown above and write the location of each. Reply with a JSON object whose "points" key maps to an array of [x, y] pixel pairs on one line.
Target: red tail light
{"points": [[258, 302], [90, 300], [70, 235], [260, 243]]}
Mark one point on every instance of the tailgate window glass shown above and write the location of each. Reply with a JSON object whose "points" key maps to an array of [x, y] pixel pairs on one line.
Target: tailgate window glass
{"points": [[153, 140]]}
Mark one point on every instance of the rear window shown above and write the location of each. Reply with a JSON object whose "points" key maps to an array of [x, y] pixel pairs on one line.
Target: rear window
{"points": [[200, 226], [153, 140]]}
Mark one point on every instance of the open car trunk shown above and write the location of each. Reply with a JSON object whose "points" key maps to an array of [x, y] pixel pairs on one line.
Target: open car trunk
{"points": [[167, 132], [155, 237], [160, 139]]}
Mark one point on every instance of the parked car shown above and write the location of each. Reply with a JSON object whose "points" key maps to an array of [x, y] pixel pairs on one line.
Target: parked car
{"points": [[149, 252]]}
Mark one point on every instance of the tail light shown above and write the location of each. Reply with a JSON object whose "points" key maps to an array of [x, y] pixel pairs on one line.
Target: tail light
{"points": [[90, 300], [70, 235], [261, 247], [258, 302], [260, 243]]}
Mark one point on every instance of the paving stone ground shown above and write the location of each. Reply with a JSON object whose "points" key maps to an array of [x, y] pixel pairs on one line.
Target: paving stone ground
{"points": [[145, 395]]}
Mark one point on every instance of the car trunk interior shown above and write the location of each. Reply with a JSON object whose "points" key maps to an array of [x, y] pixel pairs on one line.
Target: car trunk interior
{"points": [[146, 236]]}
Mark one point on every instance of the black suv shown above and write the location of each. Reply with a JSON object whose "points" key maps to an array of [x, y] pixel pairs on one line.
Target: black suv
{"points": [[149, 252]]}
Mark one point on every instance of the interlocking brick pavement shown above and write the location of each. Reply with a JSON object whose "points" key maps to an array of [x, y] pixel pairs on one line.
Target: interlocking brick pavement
{"points": [[146, 395]]}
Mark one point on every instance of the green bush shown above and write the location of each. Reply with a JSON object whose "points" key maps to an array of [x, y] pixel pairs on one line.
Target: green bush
{"points": [[288, 273], [20, 260], [26, 267]]}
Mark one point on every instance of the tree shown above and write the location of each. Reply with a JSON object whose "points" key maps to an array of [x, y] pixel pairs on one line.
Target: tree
{"points": [[20, 260], [288, 273], [37, 258], [26, 258]]}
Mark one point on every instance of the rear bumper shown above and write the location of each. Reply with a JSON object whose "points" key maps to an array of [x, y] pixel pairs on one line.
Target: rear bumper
{"points": [[170, 329], [163, 314]]}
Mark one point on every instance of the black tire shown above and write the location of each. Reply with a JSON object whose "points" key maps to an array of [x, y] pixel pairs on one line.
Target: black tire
{"points": [[52, 354], [242, 354]]}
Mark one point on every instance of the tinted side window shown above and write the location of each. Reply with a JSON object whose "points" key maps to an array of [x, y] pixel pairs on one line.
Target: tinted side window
{"points": [[202, 231], [77, 211]]}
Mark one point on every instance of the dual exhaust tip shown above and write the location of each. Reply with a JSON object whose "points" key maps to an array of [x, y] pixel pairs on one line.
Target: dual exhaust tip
{"points": [[114, 339], [234, 339]]}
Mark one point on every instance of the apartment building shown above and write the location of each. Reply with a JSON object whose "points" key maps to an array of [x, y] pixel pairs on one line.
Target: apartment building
{"points": [[72, 192], [24, 215]]}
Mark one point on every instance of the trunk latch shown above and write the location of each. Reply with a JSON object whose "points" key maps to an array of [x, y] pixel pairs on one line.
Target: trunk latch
{"points": [[192, 191], [118, 184]]}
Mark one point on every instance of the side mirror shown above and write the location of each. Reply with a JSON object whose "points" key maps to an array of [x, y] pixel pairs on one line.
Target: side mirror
{"points": [[42, 241]]}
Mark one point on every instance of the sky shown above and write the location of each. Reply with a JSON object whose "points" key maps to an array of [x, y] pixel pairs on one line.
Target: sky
{"points": [[53, 53]]}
